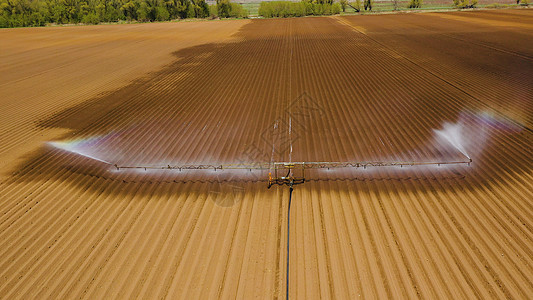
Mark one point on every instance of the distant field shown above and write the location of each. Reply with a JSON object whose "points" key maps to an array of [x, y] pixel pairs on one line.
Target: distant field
{"points": [[253, 8], [78, 100], [380, 6]]}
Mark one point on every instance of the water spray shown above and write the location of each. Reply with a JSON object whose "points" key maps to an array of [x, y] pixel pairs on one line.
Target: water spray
{"points": [[72, 147], [452, 134], [273, 167]]}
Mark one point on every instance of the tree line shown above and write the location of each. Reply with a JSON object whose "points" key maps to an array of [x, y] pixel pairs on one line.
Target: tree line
{"points": [[282, 9], [20, 13]]}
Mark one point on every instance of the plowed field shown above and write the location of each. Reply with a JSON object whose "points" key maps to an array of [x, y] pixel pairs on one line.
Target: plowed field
{"points": [[357, 88]]}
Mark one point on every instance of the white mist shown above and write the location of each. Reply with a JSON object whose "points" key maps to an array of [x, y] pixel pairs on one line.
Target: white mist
{"points": [[451, 133]]}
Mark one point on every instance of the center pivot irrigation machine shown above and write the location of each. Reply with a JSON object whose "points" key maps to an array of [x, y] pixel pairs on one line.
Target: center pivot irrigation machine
{"points": [[279, 173], [276, 169]]}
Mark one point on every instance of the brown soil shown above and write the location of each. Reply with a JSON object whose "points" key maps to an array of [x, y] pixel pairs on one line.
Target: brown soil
{"points": [[45, 70], [350, 88]]}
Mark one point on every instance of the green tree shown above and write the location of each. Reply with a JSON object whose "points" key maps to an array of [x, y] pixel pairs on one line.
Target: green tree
{"points": [[201, 9], [178, 8], [223, 7], [415, 4], [356, 5], [213, 11], [129, 9], [343, 4], [161, 14], [143, 12], [465, 3], [90, 18], [368, 4], [16, 13], [275, 9]]}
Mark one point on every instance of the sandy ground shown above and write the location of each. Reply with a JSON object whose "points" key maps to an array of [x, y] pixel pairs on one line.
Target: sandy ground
{"points": [[349, 88], [44, 70]]}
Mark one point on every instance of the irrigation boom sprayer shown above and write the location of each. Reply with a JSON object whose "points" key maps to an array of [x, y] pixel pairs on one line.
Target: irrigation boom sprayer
{"points": [[284, 173], [289, 178]]}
